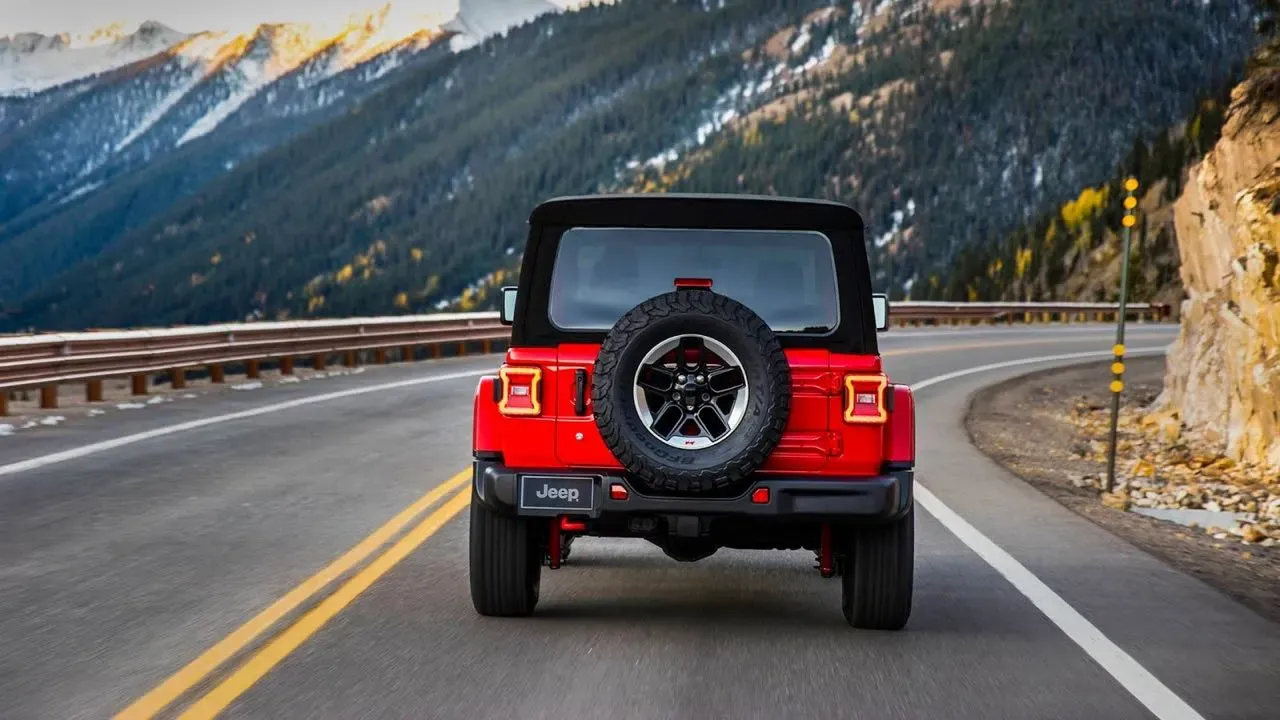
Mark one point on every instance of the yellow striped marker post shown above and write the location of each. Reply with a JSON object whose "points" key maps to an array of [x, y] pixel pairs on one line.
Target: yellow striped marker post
{"points": [[1117, 366]]}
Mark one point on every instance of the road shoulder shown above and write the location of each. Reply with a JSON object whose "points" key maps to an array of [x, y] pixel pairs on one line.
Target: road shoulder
{"points": [[1000, 419]]}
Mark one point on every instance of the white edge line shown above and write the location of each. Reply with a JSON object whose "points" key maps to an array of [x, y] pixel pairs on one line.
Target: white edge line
{"points": [[95, 448], [1132, 676]]}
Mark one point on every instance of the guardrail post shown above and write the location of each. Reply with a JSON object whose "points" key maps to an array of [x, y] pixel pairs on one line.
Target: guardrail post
{"points": [[139, 383], [435, 350], [349, 358], [486, 346], [462, 349], [178, 378], [252, 369], [93, 391], [216, 374], [286, 366], [407, 353], [318, 361], [4, 403], [48, 397], [380, 356]]}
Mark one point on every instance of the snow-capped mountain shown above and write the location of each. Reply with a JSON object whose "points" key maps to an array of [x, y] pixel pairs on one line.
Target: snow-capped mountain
{"points": [[31, 62], [479, 19], [82, 112]]}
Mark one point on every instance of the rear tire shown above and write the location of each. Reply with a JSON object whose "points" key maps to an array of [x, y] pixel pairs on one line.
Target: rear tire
{"points": [[878, 576], [506, 563]]}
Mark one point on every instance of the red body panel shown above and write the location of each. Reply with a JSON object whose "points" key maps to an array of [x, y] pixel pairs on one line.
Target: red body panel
{"points": [[818, 440], [900, 438], [578, 441], [486, 422], [807, 441]]}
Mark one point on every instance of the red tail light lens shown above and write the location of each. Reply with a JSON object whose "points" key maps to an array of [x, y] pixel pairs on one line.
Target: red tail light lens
{"points": [[864, 399], [521, 387]]}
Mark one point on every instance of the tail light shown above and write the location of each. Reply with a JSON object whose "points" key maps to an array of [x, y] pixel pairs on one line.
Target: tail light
{"points": [[864, 399], [521, 388]]}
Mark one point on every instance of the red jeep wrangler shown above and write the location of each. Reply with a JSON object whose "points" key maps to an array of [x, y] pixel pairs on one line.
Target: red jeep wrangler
{"points": [[700, 371]]}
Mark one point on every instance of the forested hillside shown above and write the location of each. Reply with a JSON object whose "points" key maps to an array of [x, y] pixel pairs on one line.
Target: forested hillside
{"points": [[1073, 252], [945, 124]]}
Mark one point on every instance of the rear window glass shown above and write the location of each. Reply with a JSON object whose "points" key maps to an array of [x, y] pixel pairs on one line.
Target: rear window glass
{"points": [[786, 277]]}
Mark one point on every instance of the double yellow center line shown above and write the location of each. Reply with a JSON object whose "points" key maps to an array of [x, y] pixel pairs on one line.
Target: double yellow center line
{"points": [[261, 662]]}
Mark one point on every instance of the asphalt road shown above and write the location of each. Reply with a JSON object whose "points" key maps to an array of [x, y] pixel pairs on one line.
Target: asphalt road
{"points": [[125, 564]]}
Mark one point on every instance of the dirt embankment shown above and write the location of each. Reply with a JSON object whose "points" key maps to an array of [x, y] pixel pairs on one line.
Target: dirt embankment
{"points": [[1067, 412]]}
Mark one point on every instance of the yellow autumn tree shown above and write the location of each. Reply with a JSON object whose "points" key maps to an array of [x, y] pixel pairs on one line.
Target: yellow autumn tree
{"points": [[416, 254], [1022, 263], [468, 301], [402, 300], [1084, 207], [344, 274]]}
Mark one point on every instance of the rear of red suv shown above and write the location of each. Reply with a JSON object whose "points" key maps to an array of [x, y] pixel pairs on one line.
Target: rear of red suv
{"points": [[699, 372]]}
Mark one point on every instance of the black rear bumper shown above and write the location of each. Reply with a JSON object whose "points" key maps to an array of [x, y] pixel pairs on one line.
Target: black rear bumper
{"points": [[882, 497]]}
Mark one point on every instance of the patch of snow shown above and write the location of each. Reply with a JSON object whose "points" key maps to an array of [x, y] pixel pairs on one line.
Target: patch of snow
{"points": [[83, 189], [802, 40], [189, 396], [6, 429], [1039, 178], [29, 424], [247, 386], [289, 379], [130, 406], [160, 110], [52, 420], [478, 20], [157, 399], [357, 371], [96, 412]]}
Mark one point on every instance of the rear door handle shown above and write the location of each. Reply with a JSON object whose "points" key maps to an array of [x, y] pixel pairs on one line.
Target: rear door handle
{"points": [[580, 392]]}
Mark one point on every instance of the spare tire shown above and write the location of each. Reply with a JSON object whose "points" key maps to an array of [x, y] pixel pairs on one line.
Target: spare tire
{"points": [[691, 391]]}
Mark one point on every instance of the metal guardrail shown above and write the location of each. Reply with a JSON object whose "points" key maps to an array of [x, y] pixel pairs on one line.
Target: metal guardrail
{"points": [[45, 361]]}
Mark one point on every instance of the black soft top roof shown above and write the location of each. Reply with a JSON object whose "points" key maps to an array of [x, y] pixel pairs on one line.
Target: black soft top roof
{"points": [[856, 332], [689, 210]]}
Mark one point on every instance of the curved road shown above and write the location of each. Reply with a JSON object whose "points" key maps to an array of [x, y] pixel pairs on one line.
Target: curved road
{"points": [[178, 570]]}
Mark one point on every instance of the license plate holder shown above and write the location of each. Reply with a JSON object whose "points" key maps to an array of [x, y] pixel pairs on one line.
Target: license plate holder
{"points": [[555, 494]]}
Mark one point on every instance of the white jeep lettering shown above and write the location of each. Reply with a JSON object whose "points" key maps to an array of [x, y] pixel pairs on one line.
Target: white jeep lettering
{"points": [[570, 494]]}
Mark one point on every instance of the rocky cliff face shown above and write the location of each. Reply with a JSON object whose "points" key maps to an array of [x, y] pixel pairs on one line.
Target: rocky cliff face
{"points": [[1223, 378]]}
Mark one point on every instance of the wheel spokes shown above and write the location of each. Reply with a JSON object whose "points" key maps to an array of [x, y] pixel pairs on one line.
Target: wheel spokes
{"points": [[711, 422], [726, 380], [656, 378], [692, 345], [667, 421]]}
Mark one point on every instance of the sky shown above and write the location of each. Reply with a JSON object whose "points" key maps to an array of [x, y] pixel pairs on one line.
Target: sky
{"points": [[83, 16]]}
